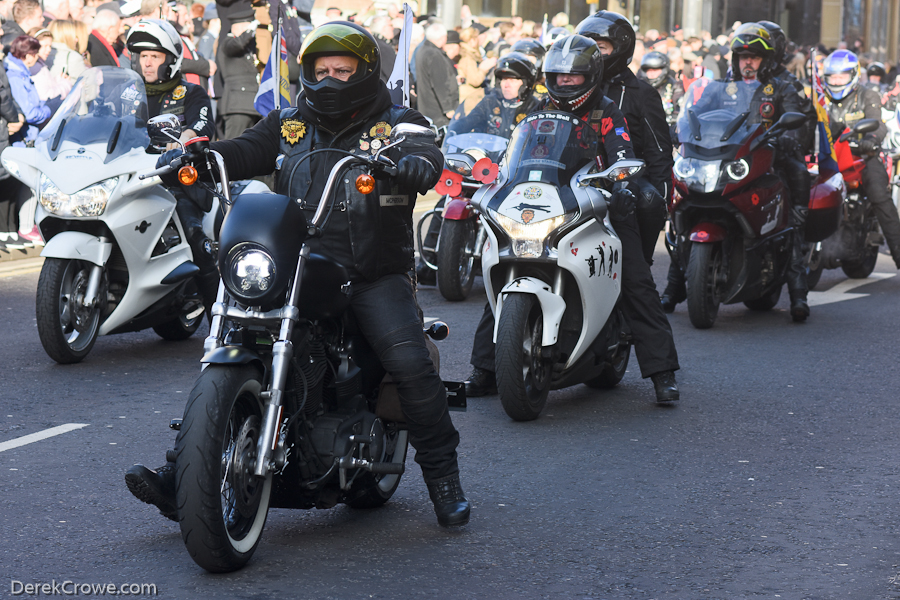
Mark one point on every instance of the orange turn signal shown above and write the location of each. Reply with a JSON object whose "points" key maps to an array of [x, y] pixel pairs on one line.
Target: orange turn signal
{"points": [[853, 184], [365, 184], [187, 175]]}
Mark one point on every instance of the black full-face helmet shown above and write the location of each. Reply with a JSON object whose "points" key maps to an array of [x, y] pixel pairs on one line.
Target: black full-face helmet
{"points": [[533, 48], [654, 60], [753, 38], [877, 69], [778, 38], [332, 97], [516, 65], [575, 55], [607, 25]]}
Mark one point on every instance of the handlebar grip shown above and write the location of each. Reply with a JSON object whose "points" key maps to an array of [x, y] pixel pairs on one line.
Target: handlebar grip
{"points": [[386, 468], [390, 170], [160, 171]]}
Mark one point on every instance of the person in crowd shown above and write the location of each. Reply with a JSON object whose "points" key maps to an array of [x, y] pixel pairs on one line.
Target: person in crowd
{"points": [[70, 42], [383, 32], [875, 77], [654, 70], [26, 16], [235, 108], [212, 25], [343, 93], [76, 11], [51, 89], [103, 40], [472, 69], [436, 84], [11, 121], [55, 9]]}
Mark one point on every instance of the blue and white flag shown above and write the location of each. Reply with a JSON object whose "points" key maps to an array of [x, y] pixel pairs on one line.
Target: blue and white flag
{"points": [[274, 92], [398, 84]]}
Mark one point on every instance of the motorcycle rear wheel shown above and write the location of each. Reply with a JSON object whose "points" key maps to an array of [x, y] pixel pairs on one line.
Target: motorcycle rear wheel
{"points": [[814, 267], [523, 375], [456, 258], [613, 373], [860, 269], [375, 490], [66, 328], [702, 272], [222, 507], [179, 328], [767, 302]]}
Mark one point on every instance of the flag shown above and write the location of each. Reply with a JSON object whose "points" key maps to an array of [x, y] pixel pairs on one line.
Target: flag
{"points": [[544, 31], [274, 91], [827, 157], [398, 84]]}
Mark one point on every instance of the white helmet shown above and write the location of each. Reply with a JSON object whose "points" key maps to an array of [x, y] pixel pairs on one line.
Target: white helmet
{"points": [[159, 35]]}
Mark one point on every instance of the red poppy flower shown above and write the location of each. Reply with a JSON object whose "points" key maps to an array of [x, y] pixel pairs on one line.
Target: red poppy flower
{"points": [[485, 171], [450, 184]]}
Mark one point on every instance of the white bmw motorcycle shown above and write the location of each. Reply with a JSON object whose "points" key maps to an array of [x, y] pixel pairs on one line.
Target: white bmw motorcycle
{"points": [[116, 255], [552, 264]]}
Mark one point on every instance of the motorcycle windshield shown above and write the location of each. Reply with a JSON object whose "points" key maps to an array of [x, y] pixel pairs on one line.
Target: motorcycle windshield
{"points": [[107, 105], [716, 113], [476, 144], [548, 147]]}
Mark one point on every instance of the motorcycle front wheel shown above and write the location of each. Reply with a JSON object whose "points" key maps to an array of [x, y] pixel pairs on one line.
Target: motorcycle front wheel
{"points": [[222, 506], [523, 374], [702, 273], [67, 329], [456, 258]]}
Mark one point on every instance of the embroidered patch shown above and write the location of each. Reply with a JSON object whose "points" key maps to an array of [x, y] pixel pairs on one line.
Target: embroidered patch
{"points": [[731, 89], [768, 90], [179, 92], [767, 109], [394, 200], [363, 145], [520, 117], [380, 130], [496, 110], [292, 131]]}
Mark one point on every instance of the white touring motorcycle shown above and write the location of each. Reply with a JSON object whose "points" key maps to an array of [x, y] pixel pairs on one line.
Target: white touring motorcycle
{"points": [[116, 254], [552, 264]]}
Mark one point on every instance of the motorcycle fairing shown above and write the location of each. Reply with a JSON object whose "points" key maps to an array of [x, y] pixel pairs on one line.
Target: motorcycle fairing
{"points": [[531, 203], [77, 245]]}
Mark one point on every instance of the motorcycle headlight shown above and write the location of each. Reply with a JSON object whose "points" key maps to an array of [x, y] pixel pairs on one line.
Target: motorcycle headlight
{"points": [[737, 169], [89, 202], [249, 271], [699, 175], [529, 239]]}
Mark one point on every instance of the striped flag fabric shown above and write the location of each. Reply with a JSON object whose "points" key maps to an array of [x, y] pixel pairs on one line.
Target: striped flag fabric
{"points": [[274, 86], [827, 157]]}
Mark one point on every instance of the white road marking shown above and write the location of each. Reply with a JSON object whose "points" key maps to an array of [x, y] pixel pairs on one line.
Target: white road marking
{"points": [[430, 320], [840, 292], [40, 435]]}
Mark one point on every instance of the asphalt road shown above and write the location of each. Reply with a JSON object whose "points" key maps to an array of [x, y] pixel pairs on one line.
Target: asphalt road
{"points": [[776, 476]]}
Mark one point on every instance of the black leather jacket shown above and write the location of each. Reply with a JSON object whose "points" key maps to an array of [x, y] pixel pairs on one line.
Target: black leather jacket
{"points": [[371, 235], [862, 103]]}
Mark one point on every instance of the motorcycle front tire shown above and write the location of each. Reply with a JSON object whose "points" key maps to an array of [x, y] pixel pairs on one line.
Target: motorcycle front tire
{"points": [[523, 374], [702, 270], [222, 508], [456, 258], [61, 287]]}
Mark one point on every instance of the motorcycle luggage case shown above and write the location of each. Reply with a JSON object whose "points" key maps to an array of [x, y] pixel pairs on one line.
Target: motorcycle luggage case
{"points": [[826, 206]]}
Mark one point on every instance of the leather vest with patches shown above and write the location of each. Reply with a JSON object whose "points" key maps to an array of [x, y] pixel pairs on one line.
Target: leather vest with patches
{"points": [[380, 223], [172, 102]]}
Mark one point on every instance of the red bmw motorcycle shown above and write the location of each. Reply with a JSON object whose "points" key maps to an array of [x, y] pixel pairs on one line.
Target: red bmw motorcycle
{"points": [[729, 218]]}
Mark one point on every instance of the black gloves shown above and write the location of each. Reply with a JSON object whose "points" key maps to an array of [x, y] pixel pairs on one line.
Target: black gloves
{"points": [[869, 144], [169, 179], [417, 173], [620, 205]]}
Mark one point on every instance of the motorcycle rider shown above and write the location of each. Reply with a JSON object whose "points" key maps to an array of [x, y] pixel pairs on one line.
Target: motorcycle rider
{"points": [[156, 53], [647, 126], [497, 113], [875, 74], [849, 103], [574, 67], [655, 71], [345, 105]]}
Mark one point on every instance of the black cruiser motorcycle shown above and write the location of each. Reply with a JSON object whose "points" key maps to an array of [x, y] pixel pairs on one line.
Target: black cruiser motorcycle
{"points": [[292, 409]]}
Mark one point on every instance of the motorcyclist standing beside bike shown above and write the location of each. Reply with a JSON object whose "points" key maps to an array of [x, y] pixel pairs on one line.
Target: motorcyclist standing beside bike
{"points": [[156, 54], [655, 71], [850, 102], [647, 126], [345, 106], [574, 68]]}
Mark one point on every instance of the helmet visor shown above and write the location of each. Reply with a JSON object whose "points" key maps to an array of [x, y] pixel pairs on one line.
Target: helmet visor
{"points": [[568, 60], [336, 38]]}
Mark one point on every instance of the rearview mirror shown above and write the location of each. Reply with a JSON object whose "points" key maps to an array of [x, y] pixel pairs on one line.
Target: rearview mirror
{"points": [[866, 126], [791, 120], [620, 171], [164, 129], [412, 137]]}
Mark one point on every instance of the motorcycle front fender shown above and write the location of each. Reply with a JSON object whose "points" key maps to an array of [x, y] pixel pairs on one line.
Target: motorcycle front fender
{"points": [[707, 233], [552, 306], [76, 245], [231, 355], [457, 209]]}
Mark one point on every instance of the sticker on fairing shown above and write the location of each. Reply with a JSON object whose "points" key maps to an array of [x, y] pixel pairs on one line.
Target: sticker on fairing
{"points": [[532, 203], [534, 176]]}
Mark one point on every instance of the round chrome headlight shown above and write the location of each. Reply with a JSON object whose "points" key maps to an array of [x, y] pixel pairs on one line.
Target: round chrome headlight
{"points": [[250, 271], [737, 169], [684, 167]]}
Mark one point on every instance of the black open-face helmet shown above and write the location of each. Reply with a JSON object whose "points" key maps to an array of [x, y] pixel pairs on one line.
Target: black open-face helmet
{"points": [[332, 97], [753, 38], [654, 60], [577, 55], [877, 69], [778, 38], [607, 25], [533, 48], [516, 65]]}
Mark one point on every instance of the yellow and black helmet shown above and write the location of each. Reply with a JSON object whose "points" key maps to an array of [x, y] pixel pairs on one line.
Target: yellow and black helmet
{"points": [[753, 38], [330, 96]]}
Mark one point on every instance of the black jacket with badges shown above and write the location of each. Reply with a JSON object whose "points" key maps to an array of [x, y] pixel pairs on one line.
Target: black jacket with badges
{"points": [[190, 103], [772, 99], [371, 235], [609, 123], [861, 104], [495, 115], [648, 127], [671, 92], [806, 134]]}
